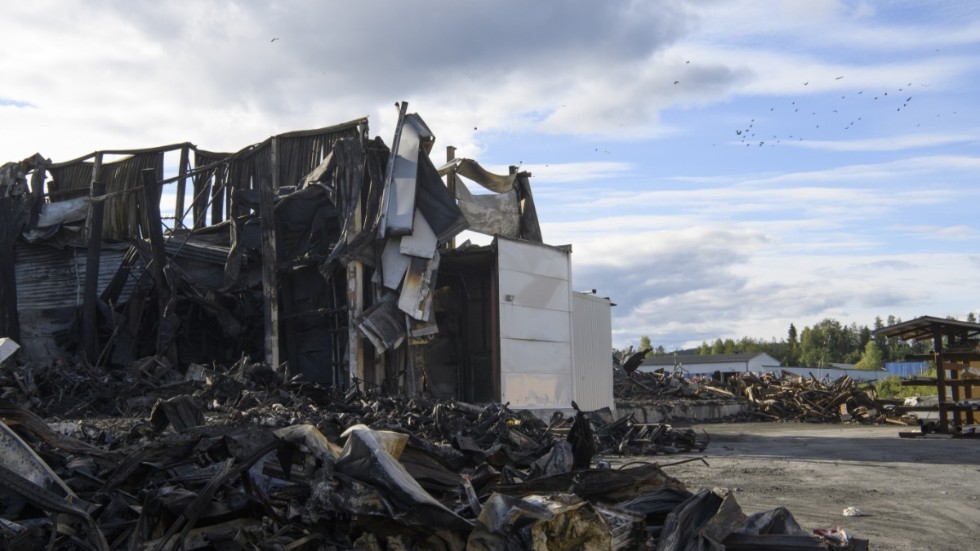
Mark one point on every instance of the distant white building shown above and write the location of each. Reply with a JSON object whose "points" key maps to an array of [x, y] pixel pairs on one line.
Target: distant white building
{"points": [[836, 371], [707, 364]]}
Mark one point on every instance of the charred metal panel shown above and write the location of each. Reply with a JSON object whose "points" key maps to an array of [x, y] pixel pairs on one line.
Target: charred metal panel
{"points": [[53, 278], [49, 290], [422, 241], [417, 288], [513, 206], [490, 214], [393, 264], [398, 206]]}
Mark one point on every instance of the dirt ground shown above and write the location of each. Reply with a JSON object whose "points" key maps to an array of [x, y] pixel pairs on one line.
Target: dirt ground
{"points": [[920, 494]]}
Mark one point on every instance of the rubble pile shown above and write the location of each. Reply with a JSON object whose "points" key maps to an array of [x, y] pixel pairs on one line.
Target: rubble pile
{"points": [[807, 399], [238, 459], [783, 397], [641, 386]]}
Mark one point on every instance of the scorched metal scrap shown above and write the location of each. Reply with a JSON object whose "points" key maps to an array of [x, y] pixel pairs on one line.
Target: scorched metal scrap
{"points": [[299, 466]]}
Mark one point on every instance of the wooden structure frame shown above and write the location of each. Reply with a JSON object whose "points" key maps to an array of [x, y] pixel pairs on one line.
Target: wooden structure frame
{"points": [[955, 348]]}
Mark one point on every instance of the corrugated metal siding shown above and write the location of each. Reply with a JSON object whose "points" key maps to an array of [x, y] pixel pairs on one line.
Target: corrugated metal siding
{"points": [[54, 278], [49, 291], [592, 351]]}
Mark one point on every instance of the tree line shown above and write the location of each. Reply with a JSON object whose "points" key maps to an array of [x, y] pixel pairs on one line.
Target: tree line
{"points": [[826, 342]]}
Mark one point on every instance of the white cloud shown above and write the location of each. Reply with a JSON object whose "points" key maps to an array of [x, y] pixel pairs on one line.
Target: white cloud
{"points": [[691, 242], [890, 143], [564, 173]]}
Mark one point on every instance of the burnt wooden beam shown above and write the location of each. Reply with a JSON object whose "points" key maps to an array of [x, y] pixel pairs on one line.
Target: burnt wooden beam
{"points": [[451, 186], [151, 199], [37, 187], [90, 330], [270, 275], [355, 306], [9, 320], [202, 194], [181, 187], [217, 204]]}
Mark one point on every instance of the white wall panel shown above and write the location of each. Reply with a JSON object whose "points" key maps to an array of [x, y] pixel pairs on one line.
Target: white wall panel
{"points": [[519, 356], [534, 297], [534, 324], [532, 258], [536, 390], [592, 351], [534, 291]]}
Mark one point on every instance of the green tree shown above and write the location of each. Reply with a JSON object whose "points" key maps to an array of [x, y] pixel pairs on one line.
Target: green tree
{"points": [[824, 343], [645, 344], [872, 358], [718, 347], [880, 340], [793, 349], [730, 347], [971, 317]]}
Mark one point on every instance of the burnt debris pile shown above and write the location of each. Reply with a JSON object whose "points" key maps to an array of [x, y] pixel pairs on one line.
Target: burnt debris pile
{"points": [[240, 459], [773, 397]]}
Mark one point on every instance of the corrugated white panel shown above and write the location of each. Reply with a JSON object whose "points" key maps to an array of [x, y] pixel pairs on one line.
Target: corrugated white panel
{"points": [[536, 390], [535, 305], [535, 291], [534, 324], [592, 356]]}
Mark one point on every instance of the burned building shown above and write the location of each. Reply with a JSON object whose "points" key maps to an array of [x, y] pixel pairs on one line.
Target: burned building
{"points": [[322, 253]]}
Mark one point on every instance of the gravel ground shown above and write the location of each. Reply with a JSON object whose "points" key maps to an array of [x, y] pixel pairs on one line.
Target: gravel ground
{"points": [[921, 493]]}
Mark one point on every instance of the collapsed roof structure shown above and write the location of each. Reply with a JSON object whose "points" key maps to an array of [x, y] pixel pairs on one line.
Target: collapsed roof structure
{"points": [[326, 254]]}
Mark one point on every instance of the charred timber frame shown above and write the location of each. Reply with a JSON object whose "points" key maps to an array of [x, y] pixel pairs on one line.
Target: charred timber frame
{"points": [[270, 274]]}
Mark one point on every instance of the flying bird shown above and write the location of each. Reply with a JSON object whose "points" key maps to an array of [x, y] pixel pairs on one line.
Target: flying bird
{"points": [[274, 39], [677, 82], [840, 77]]}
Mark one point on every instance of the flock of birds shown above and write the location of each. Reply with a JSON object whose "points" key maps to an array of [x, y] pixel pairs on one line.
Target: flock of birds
{"points": [[843, 115]]}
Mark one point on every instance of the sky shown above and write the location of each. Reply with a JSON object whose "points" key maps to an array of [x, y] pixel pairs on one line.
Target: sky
{"points": [[721, 168]]}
